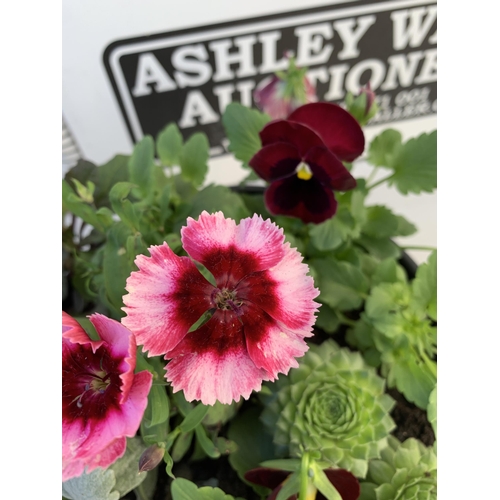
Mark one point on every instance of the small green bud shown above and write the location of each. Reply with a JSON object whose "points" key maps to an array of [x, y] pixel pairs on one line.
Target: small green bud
{"points": [[151, 457]]}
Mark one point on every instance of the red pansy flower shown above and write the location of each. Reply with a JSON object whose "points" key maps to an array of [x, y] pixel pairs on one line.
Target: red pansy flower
{"points": [[302, 159]]}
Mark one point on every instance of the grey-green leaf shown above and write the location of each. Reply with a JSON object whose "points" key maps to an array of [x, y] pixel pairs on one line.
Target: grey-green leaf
{"points": [[97, 485]]}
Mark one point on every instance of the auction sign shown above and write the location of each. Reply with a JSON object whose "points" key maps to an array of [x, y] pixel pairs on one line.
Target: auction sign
{"points": [[189, 76]]}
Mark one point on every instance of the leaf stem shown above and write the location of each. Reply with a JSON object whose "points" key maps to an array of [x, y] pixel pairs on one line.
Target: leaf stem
{"points": [[304, 478], [417, 247], [372, 175], [381, 181]]}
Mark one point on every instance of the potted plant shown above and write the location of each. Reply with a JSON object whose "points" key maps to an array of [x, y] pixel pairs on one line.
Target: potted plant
{"points": [[268, 340]]}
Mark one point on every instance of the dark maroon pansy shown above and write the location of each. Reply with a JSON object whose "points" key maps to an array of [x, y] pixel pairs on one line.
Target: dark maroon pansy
{"points": [[345, 483], [302, 159]]}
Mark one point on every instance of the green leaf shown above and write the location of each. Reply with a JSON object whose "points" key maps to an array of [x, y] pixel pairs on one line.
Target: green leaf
{"points": [[327, 319], [117, 265], [424, 286], [412, 378], [242, 126], [158, 408], [432, 410], [218, 414], [169, 145], [380, 222], [194, 418], [97, 485], [388, 271], [254, 444], [141, 165], [124, 208], [405, 227], [290, 487], [181, 445], [218, 198], [415, 167], [126, 468], [321, 481], [381, 248], [194, 158], [206, 443], [342, 284], [183, 489], [76, 205], [106, 176], [330, 234], [384, 148]]}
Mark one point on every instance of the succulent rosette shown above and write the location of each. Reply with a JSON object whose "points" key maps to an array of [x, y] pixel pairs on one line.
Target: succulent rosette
{"points": [[405, 471], [223, 338], [333, 403], [302, 159], [103, 401]]}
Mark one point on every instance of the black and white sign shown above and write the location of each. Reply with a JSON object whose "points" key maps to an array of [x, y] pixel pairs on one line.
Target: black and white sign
{"points": [[189, 76]]}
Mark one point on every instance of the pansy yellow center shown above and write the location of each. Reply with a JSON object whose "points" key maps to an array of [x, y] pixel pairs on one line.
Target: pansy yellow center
{"points": [[303, 171]]}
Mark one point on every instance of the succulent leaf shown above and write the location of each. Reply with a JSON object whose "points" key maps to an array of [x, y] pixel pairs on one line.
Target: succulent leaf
{"points": [[333, 403]]}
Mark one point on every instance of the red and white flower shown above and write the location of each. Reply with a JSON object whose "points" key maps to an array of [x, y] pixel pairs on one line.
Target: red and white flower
{"points": [[103, 401], [261, 307]]}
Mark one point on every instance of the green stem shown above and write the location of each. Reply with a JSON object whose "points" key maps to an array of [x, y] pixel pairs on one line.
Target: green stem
{"points": [[381, 181], [416, 247], [344, 319], [372, 175], [304, 478]]}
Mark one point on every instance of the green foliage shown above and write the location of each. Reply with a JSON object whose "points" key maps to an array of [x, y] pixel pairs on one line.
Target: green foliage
{"points": [[334, 403], [405, 471], [385, 148], [194, 157], [169, 145], [242, 126], [182, 489]]}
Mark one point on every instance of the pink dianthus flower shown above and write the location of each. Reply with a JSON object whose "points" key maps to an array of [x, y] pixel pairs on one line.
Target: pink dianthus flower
{"points": [[103, 401], [261, 307]]}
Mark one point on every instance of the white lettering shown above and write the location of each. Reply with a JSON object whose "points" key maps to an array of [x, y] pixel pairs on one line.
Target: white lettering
{"points": [[410, 27], [310, 44], [224, 94], [402, 67], [182, 59], [269, 62], [376, 68], [149, 70], [336, 90], [350, 36], [196, 106], [428, 73], [244, 57]]}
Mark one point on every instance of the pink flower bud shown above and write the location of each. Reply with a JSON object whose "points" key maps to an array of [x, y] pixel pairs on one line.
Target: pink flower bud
{"points": [[151, 457]]}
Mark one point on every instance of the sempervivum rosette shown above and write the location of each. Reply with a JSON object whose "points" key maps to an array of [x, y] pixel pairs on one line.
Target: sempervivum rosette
{"points": [[334, 403], [405, 471]]}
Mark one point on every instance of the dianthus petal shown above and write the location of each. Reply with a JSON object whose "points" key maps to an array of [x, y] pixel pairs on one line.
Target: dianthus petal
{"points": [[231, 251], [212, 363], [329, 170], [338, 129], [271, 345], [285, 292], [165, 298], [308, 200], [300, 136], [75, 333], [121, 344], [275, 161]]}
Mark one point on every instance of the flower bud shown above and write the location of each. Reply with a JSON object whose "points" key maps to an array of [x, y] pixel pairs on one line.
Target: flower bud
{"points": [[282, 93], [151, 457], [363, 107]]}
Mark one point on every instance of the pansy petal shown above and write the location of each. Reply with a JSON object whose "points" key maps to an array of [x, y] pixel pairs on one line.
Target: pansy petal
{"points": [[165, 298], [296, 134], [338, 129], [231, 251], [212, 364], [275, 161], [308, 200], [265, 476], [329, 169], [285, 292], [271, 346], [121, 344]]}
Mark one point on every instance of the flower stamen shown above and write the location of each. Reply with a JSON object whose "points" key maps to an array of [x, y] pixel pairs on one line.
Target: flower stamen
{"points": [[303, 171], [226, 300]]}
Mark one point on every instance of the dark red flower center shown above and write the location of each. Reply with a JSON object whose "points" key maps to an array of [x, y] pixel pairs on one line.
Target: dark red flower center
{"points": [[226, 299], [91, 382]]}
